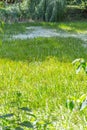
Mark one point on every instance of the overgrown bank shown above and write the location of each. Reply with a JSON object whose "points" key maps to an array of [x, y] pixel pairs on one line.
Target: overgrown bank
{"points": [[42, 10]]}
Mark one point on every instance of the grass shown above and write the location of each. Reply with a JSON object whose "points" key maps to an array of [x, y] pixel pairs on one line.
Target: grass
{"points": [[72, 27], [37, 74]]}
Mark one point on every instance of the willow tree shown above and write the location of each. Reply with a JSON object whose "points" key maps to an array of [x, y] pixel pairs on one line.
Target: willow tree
{"points": [[55, 10], [32, 7], [50, 10]]}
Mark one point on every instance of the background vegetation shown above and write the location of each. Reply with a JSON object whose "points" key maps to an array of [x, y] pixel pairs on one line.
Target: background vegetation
{"points": [[43, 10]]}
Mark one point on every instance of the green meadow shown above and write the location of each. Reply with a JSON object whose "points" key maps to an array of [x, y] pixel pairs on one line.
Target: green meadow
{"points": [[37, 77], [76, 26]]}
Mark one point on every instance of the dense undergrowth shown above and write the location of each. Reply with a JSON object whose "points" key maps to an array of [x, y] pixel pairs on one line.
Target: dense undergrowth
{"points": [[43, 10]]}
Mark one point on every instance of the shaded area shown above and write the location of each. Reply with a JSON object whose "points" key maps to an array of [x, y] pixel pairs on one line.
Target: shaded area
{"points": [[64, 26], [65, 49], [75, 12], [7, 115]]}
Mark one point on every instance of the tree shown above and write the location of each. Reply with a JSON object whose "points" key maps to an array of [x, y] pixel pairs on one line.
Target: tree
{"points": [[48, 10]]}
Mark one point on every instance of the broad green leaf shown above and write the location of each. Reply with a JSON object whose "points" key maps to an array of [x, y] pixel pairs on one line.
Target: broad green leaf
{"points": [[26, 124], [7, 116], [71, 105], [83, 64]]}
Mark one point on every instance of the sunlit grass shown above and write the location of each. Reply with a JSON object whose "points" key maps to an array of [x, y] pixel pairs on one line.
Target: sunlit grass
{"points": [[65, 27], [75, 27], [41, 70]]}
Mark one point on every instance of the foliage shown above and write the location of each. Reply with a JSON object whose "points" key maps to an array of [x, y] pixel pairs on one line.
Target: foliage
{"points": [[46, 10], [80, 64], [80, 103], [49, 10], [83, 3], [14, 120], [42, 10], [1, 4]]}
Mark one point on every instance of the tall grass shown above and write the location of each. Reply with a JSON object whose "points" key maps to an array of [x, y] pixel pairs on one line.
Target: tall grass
{"points": [[36, 78], [37, 75]]}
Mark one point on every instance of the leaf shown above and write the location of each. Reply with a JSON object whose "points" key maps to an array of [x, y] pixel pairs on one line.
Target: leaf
{"points": [[82, 98], [83, 64], [19, 128], [76, 60], [19, 94], [83, 105], [7, 116], [26, 124], [78, 69], [26, 109], [31, 115], [71, 105]]}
